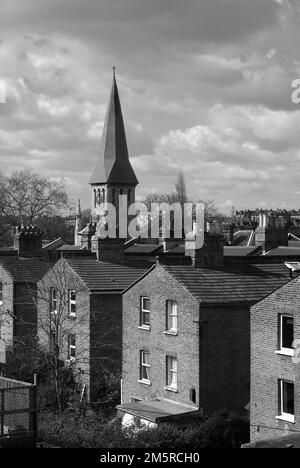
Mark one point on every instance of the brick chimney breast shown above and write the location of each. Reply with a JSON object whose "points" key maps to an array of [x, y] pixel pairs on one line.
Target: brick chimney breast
{"points": [[211, 254], [28, 241]]}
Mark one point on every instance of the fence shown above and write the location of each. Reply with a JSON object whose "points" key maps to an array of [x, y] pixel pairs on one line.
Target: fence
{"points": [[18, 408]]}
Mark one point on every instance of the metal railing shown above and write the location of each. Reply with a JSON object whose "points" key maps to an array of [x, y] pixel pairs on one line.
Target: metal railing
{"points": [[18, 408]]}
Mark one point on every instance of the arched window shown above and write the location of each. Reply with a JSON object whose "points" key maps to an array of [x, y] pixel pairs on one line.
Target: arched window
{"points": [[95, 198], [129, 197], [103, 196], [113, 196]]}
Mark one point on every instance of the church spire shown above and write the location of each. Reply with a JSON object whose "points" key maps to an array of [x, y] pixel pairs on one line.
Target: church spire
{"points": [[78, 225], [113, 166]]}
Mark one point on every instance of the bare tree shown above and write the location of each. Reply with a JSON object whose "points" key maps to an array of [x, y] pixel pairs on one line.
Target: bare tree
{"points": [[26, 195], [180, 189], [179, 195]]}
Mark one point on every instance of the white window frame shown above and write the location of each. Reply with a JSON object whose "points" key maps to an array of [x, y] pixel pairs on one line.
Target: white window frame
{"points": [[171, 314], [171, 371], [53, 300], [71, 302], [283, 415], [143, 311], [71, 347], [283, 350], [1, 293], [143, 365]]}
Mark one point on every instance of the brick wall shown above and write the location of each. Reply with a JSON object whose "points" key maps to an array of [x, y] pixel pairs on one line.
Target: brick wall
{"points": [[225, 357], [25, 310], [105, 337], [159, 286], [6, 321], [267, 366]]}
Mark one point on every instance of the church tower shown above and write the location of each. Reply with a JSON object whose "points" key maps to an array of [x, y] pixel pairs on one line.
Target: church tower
{"points": [[113, 174]]}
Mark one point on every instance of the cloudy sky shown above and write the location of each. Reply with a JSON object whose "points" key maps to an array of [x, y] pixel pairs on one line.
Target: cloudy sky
{"points": [[205, 87]]}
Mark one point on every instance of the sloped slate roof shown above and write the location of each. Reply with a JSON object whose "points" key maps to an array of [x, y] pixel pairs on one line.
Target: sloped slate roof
{"points": [[159, 410], [237, 284], [241, 250], [23, 270], [105, 276], [113, 164], [54, 244], [146, 249], [284, 252], [241, 237]]}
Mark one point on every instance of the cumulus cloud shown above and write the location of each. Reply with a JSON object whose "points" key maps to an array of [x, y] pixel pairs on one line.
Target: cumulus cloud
{"points": [[205, 87]]}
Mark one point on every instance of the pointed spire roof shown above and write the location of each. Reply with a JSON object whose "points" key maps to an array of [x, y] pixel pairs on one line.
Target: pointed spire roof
{"points": [[113, 165], [79, 213]]}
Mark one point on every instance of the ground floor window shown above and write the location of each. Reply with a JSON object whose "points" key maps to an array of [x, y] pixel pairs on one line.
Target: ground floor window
{"points": [[286, 400], [172, 372]]}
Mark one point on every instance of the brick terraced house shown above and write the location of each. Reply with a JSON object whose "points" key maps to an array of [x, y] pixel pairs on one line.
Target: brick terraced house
{"points": [[19, 275], [80, 311], [275, 364], [186, 336]]}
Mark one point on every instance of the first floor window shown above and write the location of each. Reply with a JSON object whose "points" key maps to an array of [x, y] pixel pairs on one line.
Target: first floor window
{"points": [[172, 372], [145, 365], [286, 332], [172, 316], [145, 312], [72, 302], [53, 301], [286, 400], [1, 293], [71, 347]]}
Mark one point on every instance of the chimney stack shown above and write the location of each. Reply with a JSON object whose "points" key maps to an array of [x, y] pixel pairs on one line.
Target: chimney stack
{"points": [[211, 254], [228, 231], [28, 241], [108, 250]]}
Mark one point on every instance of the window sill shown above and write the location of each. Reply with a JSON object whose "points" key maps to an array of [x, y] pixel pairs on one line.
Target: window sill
{"points": [[144, 382], [72, 316], [169, 332], [285, 352], [144, 327], [287, 418], [171, 389], [69, 361]]}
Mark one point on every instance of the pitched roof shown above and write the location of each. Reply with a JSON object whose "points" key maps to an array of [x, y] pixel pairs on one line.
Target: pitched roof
{"points": [[160, 410], [284, 251], [244, 283], [24, 270], [113, 164], [105, 276], [141, 249], [241, 250], [53, 245]]}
